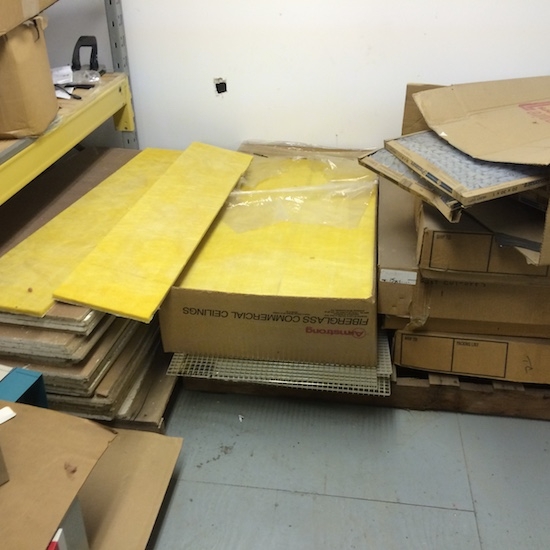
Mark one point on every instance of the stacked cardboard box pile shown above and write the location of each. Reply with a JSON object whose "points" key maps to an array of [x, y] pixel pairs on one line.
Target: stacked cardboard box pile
{"points": [[463, 261]]}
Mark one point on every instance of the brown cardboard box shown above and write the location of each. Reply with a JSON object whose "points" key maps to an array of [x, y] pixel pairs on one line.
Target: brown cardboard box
{"points": [[467, 251], [514, 359], [276, 328], [27, 96], [15, 12], [279, 302], [120, 479], [512, 309]]}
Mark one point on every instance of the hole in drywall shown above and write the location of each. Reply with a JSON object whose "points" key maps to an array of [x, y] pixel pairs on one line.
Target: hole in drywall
{"points": [[221, 85]]}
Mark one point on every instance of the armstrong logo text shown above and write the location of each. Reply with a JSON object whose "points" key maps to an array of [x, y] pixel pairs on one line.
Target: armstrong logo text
{"points": [[355, 333]]}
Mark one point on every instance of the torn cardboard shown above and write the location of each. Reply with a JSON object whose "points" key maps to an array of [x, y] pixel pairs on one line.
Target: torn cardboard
{"points": [[504, 121]]}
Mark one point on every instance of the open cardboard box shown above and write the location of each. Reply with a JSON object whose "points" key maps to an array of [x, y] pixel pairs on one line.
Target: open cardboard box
{"points": [[120, 479], [282, 291], [503, 121]]}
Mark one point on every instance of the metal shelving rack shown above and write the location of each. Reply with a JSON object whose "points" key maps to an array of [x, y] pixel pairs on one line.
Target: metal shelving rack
{"points": [[22, 160]]}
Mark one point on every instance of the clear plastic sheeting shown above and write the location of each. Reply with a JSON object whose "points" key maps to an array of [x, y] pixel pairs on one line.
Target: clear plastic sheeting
{"points": [[335, 204], [328, 191]]}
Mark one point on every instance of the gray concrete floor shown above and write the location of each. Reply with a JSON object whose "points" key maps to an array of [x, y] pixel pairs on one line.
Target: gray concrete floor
{"points": [[278, 473]]}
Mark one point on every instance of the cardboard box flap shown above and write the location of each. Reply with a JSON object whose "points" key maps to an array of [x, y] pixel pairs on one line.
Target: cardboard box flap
{"points": [[413, 121], [123, 495], [516, 224], [49, 456], [499, 121]]}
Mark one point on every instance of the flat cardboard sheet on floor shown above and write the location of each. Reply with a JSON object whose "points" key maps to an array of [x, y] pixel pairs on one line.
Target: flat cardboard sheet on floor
{"points": [[123, 494], [120, 477], [499, 121], [49, 457], [33, 269], [132, 268]]}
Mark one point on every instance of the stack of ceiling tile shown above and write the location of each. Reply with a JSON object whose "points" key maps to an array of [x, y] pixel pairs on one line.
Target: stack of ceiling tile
{"points": [[464, 271], [94, 364]]}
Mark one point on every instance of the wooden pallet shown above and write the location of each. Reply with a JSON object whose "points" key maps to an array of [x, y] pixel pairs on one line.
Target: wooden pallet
{"points": [[418, 390]]}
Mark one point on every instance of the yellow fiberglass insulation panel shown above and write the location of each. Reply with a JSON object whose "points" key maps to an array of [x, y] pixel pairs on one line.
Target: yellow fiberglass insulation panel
{"points": [[295, 227], [31, 271], [133, 267]]}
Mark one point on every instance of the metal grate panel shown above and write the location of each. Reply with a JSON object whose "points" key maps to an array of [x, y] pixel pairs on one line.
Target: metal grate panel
{"points": [[312, 376]]}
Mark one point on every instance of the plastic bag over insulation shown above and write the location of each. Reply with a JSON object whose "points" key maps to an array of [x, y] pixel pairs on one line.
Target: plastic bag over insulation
{"points": [[321, 191]]}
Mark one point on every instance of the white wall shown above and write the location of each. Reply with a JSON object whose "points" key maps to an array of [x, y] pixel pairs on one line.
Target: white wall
{"points": [[326, 72]]}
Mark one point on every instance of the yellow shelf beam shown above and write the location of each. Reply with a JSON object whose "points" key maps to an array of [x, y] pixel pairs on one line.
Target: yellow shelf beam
{"points": [[76, 120]]}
